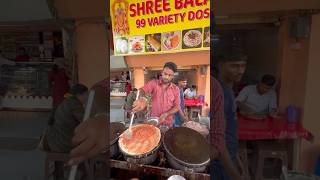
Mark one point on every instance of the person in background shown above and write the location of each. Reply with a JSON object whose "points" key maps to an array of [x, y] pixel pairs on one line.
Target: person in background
{"points": [[258, 100], [191, 92], [128, 86], [180, 116], [116, 78], [67, 117], [165, 96], [60, 83], [123, 76], [219, 152], [22, 55], [233, 65]]}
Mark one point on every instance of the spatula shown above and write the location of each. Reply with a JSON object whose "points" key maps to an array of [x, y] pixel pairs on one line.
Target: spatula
{"points": [[129, 133], [87, 113]]}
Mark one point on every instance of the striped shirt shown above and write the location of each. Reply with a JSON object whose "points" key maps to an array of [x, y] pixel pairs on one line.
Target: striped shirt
{"points": [[162, 99], [217, 121]]}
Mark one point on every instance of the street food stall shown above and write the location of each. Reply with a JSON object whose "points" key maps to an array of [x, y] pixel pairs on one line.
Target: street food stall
{"points": [[146, 41], [32, 50], [25, 87]]}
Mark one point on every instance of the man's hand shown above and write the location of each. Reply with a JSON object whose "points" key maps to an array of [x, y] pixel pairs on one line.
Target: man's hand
{"points": [[90, 139], [245, 110], [185, 118], [163, 117], [139, 105]]}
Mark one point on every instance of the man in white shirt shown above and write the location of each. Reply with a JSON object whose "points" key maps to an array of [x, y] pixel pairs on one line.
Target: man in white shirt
{"points": [[191, 92], [258, 100]]}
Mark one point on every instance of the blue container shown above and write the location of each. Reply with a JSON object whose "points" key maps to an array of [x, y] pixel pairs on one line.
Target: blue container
{"points": [[317, 168], [292, 114], [201, 98]]}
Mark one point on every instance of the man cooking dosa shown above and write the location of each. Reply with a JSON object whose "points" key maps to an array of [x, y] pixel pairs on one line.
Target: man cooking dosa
{"points": [[165, 97]]}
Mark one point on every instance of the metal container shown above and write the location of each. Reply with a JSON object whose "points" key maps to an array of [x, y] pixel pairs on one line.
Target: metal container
{"points": [[153, 120]]}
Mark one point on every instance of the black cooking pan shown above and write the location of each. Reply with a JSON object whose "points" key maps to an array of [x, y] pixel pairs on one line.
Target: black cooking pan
{"points": [[186, 149]]}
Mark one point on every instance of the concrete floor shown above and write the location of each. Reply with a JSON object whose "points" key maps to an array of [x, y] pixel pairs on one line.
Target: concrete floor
{"points": [[19, 158], [19, 135]]}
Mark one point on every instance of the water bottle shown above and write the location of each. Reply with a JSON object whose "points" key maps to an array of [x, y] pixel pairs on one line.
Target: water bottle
{"points": [[292, 114], [201, 98]]}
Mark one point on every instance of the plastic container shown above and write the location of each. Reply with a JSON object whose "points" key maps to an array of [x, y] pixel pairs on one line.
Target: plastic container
{"points": [[201, 98], [292, 114]]}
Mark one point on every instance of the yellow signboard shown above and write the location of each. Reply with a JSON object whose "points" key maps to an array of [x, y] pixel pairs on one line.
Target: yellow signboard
{"points": [[157, 26]]}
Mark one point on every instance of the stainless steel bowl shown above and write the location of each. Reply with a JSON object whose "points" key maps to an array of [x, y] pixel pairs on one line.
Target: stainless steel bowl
{"points": [[153, 120]]}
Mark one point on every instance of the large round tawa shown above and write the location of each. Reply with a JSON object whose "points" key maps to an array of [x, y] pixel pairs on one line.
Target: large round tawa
{"points": [[187, 146], [144, 139], [116, 129]]}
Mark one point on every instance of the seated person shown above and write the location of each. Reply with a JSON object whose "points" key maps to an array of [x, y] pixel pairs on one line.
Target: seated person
{"points": [[258, 100], [191, 92], [68, 115]]}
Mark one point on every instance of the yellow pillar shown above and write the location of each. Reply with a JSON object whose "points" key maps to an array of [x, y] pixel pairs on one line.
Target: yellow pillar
{"points": [[203, 85], [201, 82]]}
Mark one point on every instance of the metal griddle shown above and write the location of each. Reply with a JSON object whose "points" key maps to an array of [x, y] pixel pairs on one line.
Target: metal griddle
{"points": [[187, 145], [116, 129]]}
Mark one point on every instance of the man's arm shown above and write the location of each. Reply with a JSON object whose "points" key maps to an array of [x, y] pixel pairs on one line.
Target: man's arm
{"points": [[241, 102], [273, 105], [168, 113], [186, 92], [182, 115], [245, 110], [141, 103]]}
